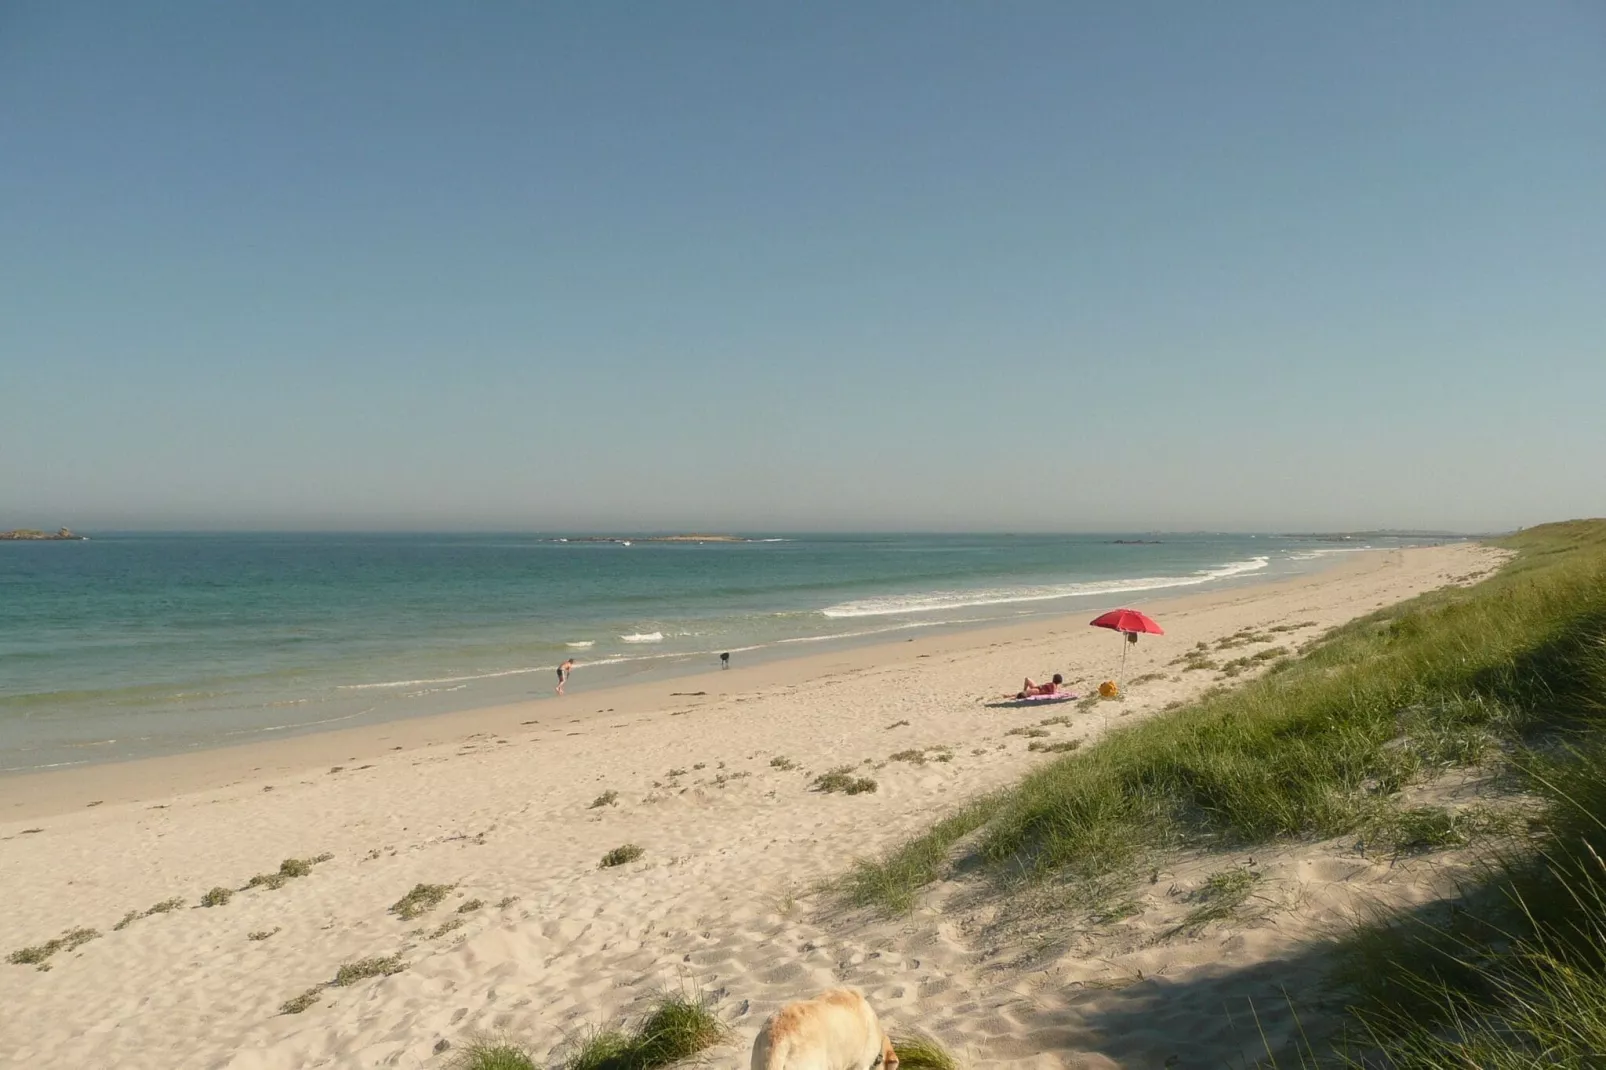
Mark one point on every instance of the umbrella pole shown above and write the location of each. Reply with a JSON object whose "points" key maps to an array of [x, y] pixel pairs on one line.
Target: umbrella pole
{"points": [[1121, 677]]}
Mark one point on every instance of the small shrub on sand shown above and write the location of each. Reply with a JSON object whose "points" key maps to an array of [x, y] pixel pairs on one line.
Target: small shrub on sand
{"points": [[507, 901], [1061, 719], [352, 972], [422, 898], [289, 869], [301, 1002], [783, 763], [493, 1053], [621, 855], [127, 920], [451, 924], [1054, 748], [68, 941], [897, 724], [471, 905], [917, 1051], [262, 934], [842, 779], [677, 1028], [914, 757], [217, 897], [607, 798], [164, 907], [1029, 733]]}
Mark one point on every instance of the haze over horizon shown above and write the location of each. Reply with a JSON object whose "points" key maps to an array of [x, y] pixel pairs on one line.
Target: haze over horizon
{"points": [[720, 267]]}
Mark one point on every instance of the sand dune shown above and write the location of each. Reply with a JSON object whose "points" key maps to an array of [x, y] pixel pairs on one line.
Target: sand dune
{"points": [[721, 898]]}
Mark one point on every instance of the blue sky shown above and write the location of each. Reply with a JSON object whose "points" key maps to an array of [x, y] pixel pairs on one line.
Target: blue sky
{"points": [[760, 266]]}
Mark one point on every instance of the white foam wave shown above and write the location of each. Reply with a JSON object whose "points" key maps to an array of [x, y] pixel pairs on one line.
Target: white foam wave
{"points": [[1309, 555], [444, 679], [584, 644], [643, 637], [939, 600]]}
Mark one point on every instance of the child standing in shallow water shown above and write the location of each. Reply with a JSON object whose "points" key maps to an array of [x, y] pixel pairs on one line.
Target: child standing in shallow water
{"points": [[563, 673]]}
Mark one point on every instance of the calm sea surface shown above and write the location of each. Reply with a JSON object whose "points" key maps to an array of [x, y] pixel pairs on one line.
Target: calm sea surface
{"points": [[132, 645]]}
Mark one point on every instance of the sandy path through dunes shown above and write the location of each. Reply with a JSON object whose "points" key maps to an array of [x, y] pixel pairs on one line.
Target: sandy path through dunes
{"points": [[504, 809]]}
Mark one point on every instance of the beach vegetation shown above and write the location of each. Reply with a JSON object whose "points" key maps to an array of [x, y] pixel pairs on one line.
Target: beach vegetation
{"points": [[70, 940], [449, 925], [217, 897], [897, 724], [422, 898], [607, 798], [297, 1004], [678, 1027], [1029, 733], [842, 779], [350, 973], [783, 763], [493, 1053], [507, 901], [262, 934], [621, 855], [1505, 676], [470, 906], [1061, 747], [288, 870], [921, 1051]]}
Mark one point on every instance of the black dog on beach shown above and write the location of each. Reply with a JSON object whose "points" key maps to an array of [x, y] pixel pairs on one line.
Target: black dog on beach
{"points": [[725, 661]]}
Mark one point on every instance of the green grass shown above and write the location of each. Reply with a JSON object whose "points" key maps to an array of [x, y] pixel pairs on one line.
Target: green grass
{"points": [[678, 1027], [423, 898], [493, 1053], [917, 1051], [1062, 747], [620, 855], [350, 973], [1224, 891], [842, 779]]}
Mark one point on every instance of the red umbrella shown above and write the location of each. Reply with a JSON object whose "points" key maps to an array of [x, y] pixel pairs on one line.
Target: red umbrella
{"points": [[1131, 622], [1127, 620]]}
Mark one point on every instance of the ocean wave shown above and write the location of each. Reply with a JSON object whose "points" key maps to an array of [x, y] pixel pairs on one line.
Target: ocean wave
{"points": [[643, 637], [444, 679], [583, 644], [934, 601], [1308, 555]]}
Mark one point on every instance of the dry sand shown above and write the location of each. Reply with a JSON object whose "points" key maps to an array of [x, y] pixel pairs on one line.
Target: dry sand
{"points": [[499, 803]]}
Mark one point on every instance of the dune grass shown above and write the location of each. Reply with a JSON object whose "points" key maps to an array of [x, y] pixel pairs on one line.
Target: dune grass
{"points": [[678, 1027], [1317, 749], [918, 1051], [350, 973], [493, 1053]]}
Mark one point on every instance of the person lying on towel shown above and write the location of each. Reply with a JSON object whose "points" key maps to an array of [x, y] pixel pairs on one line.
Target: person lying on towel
{"points": [[1050, 688]]}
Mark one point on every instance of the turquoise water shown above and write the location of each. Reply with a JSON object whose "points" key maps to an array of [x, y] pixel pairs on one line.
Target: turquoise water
{"points": [[132, 645]]}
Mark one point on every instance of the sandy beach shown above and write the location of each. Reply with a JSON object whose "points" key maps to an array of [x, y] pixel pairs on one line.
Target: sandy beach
{"points": [[708, 774]]}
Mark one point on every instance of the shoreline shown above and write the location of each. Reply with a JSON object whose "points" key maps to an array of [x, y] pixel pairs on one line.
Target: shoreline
{"points": [[43, 792]]}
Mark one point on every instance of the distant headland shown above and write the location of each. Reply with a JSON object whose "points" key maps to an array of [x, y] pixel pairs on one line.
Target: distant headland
{"points": [[627, 540], [29, 535]]}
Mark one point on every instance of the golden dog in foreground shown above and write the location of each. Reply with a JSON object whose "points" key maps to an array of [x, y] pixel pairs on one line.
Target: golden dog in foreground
{"points": [[836, 1030]]}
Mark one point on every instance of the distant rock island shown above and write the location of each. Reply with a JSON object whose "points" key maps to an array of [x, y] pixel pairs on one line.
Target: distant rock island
{"points": [[655, 538], [29, 535], [1134, 542]]}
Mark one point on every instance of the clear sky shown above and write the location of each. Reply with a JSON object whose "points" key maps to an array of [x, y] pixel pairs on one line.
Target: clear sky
{"points": [[767, 266]]}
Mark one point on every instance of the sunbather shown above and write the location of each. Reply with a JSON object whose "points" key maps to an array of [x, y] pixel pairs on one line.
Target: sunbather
{"points": [[1050, 688]]}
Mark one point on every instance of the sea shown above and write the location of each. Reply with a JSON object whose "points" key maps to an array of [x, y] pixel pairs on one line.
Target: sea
{"points": [[131, 645]]}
